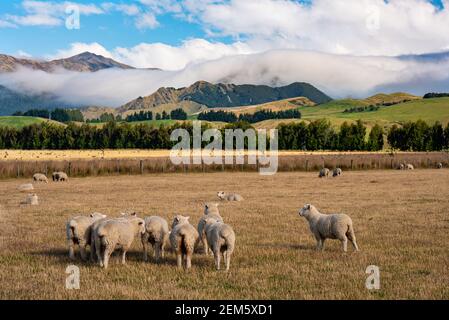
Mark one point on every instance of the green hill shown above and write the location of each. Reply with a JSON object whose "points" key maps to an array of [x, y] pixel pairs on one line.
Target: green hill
{"points": [[20, 122]]}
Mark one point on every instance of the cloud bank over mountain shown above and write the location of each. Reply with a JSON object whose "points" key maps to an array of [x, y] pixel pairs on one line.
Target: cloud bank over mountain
{"points": [[336, 75]]}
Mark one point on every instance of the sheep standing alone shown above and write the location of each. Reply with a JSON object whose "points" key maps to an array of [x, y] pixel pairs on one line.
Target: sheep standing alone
{"points": [[40, 177], [410, 167], [221, 238], [337, 172], [183, 238], [78, 233], [117, 234], [229, 196], [156, 233], [210, 211], [25, 187], [440, 165], [333, 226], [60, 176], [324, 173]]}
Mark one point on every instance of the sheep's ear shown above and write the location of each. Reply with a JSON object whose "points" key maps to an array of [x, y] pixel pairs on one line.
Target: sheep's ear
{"points": [[309, 206], [140, 223], [206, 206]]}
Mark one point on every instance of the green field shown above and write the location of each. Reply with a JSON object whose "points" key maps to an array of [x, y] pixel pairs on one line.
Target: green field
{"points": [[20, 122]]}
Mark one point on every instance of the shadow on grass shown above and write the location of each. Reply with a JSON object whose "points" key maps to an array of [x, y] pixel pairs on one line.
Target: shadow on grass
{"points": [[283, 246]]}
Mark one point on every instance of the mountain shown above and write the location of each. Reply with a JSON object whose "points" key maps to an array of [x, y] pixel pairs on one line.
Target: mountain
{"points": [[84, 62], [226, 95], [12, 101]]}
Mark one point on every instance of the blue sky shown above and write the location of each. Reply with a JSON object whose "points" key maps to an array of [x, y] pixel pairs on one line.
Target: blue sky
{"points": [[171, 34]]}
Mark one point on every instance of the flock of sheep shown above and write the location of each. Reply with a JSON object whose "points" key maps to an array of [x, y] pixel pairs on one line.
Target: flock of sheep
{"points": [[105, 234]]}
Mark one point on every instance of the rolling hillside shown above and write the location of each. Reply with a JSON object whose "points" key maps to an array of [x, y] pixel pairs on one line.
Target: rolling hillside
{"points": [[20, 122]]}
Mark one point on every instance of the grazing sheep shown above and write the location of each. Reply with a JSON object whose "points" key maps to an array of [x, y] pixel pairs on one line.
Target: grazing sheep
{"points": [[156, 233], [337, 172], [229, 196], [78, 233], [25, 187], [31, 200], [401, 166], [410, 167], [60, 176], [333, 226], [440, 165], [117, 234], [210, 211], [40, 177], [183, 238], [324, 173], [221, 238]]}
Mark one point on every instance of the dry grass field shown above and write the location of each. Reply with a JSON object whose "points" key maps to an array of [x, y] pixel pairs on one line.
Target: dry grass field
{"points": [[401, 221]]}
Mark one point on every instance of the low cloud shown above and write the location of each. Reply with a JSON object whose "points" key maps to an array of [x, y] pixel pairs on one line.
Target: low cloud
{"points": [[337, 75]]}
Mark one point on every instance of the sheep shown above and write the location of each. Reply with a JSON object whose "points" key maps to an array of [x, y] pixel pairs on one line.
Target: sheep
{"points": [[410, 167], [60, 176], [440, 166], [78, 233], [183, 239], [324, 173], [337, 172], [117, 234], [401, 166], [25, 187], [156, 233], [31, 200], [93, 232], [40, 177], [229, 196], [221, 238], [334, 226], [210, 211]]}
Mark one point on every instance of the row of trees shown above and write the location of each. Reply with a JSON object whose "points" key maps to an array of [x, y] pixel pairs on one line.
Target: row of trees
{"points": [[177, 114], [258, 116], [61, 115], [362, 109], [435, 95], [316, 135]]}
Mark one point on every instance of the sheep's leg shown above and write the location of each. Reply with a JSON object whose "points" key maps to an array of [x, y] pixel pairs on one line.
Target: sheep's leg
{"points": [[322, 244], [145, 249], [92, 249], [83, 254], [318, 242], [344, 242], [163, 249], [157, 248], [205, 246], [71, 249], [99, 253], [217, 259], [179, 260], [188, 260], [228, 260], [107, 254], [123, 256], [351, 237]]}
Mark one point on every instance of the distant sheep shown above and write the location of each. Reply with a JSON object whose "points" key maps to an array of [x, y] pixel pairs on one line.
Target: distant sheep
{"points": [[117, 234], [440, 166], [333, 226], [40, 177], [324, 173], [78, 233], [25, 187], [401, 166], [229, 196], [156, 233], [337, 172], [410, 167], [221, 239], [60, 176], [183, 239], [210, 211], [31, 200]]}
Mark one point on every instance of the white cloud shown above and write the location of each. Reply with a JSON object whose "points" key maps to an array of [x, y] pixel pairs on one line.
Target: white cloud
{"points": [[127, 9], [6, 24], [77, 48], [146, 20], [337, 75]]}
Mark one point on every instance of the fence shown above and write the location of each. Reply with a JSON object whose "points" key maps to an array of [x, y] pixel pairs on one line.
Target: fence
{"points": [[300, 162]]}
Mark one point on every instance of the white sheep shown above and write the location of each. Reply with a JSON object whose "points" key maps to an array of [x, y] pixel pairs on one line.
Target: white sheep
{"points": [[229, 196], [117, 234], [31, 200], [25, 187], [332, 226], [40, 177], [78, 233], [324, 173], [440, 165], [221, 238], [337, 172], [60, 176], [156, 233], [401, 166], [210, 211], [410, 167], [183, 239]]}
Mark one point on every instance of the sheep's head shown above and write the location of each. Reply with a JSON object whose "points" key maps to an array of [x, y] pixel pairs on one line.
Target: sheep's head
{"points": [[98, 215], [141, 226], [211, 208], [179, 219], [129, 214], [306, 210], [209, 221], [221, 195]]}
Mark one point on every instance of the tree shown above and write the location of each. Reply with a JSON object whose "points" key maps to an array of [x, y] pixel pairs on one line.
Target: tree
{"points": [[376, 138], [178, 114]]}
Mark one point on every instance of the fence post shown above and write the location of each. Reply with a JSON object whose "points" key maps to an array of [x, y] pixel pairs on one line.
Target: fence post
{"points": [[46, 168], [70, 169], [118, 166], [18, 170], [141, 166], [352, 164], [307, 165]]}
